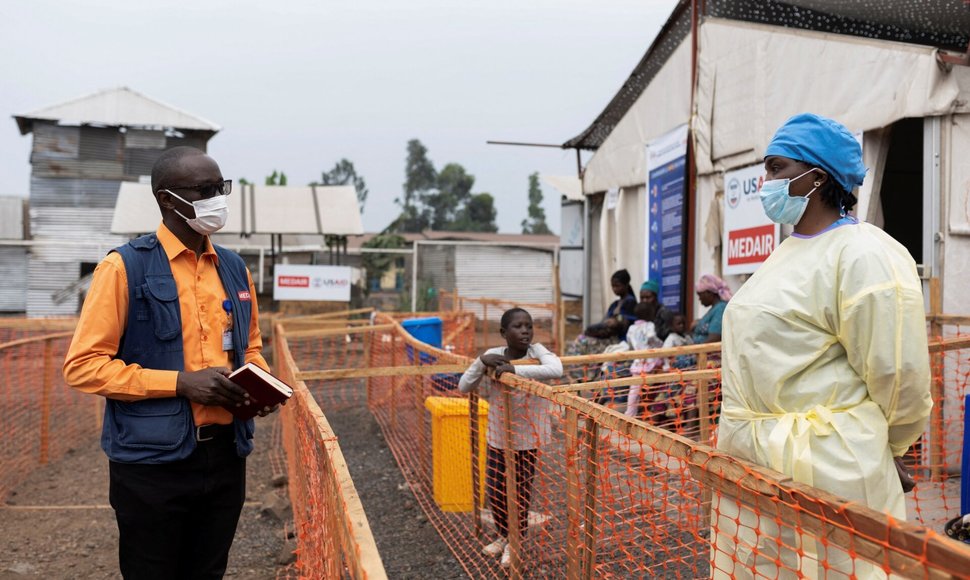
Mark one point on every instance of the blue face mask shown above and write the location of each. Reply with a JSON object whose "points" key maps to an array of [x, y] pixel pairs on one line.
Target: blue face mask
{"points": [[780, 206]]}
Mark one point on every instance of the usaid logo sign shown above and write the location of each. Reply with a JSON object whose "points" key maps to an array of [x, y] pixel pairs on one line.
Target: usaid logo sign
{"points": [[749, 236], [733, 193], [320, 283]]}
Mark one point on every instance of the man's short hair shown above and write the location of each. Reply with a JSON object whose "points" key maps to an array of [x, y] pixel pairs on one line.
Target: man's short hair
{"points": [[166, 163]]}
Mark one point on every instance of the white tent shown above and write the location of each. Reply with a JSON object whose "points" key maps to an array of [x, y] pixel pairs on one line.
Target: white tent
{"points": [[750, 78]]}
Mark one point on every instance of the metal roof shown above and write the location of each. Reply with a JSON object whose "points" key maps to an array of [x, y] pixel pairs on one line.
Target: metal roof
{"points": [[944, 24], [255, 209], [117, 107]]}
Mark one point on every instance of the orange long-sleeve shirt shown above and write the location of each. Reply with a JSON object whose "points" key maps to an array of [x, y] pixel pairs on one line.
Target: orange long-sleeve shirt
{"points": [[91, 367]]}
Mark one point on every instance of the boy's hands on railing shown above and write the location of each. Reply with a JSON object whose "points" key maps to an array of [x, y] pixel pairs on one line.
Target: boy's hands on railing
{"points": [[493, 361], [504, 368]]}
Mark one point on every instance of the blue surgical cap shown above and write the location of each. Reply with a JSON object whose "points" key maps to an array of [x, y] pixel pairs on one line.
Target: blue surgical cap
{"points": [[823, 143]]}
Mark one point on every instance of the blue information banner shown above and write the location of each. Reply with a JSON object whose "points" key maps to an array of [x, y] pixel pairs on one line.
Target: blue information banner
{"points": [[666, 166]]}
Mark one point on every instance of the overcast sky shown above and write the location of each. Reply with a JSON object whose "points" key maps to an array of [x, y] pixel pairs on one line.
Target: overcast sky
{"points": [[298, 84]]}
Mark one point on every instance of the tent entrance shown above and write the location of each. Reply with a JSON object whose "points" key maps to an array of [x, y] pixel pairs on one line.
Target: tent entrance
{"points": [[901, 192]]}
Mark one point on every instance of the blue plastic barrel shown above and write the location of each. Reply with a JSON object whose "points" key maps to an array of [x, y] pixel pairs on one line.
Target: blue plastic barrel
{"points": [[428, 331]]}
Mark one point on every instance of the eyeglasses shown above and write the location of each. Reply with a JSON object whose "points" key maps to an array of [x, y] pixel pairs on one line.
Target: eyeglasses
{"points": [[206, 190]]}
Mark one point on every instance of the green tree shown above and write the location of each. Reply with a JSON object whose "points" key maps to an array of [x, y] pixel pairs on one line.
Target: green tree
{"points": [[442, 201], [420, 181], [277, 178], [536, 223], [478, 215], [454, 188], [344, 173]]}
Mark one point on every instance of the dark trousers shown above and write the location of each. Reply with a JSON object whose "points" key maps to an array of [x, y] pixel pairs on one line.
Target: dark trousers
{"points": [[177, 520], [525, 470]]}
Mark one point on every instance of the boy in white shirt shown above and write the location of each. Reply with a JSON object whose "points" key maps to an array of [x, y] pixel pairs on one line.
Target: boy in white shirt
{"points": [[529, 418]]}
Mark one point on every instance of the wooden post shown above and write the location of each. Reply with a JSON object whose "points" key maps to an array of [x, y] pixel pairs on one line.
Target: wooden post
{"points": [[476, 474], [484, 326], [511, 489], [574, 498], [45, 403], [703, 406], [394, 379], [589, 503], [557, 309], [936, 385], [368, 345], [562, 327], [424, 449]]}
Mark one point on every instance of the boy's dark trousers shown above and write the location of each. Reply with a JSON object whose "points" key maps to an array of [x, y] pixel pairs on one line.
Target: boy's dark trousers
{"points": [[178, 520], [525, 469]]}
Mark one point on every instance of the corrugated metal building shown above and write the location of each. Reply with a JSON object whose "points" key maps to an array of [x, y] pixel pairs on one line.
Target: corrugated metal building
{"points": [[82, 151], [519, 273], [13, 256]]}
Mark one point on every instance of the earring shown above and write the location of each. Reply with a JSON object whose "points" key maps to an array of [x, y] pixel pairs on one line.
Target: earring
{"points": [[818, 184]]}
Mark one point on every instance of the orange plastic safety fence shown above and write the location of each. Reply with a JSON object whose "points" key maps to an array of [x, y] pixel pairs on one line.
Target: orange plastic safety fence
{"points": [[347, 349], [488, 314], [666, 388], [596, 493], [334, 539], [41, 417], [936, 458]]}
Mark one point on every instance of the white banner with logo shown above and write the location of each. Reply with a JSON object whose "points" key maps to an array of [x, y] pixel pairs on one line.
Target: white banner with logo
{"points": [[749, 236], [300, 282]]}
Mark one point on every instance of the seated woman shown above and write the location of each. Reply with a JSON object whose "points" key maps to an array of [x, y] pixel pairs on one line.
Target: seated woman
{"points": [[612, 328], [712, 292], [660, 315]]}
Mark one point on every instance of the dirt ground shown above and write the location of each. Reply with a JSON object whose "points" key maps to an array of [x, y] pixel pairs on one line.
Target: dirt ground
{"points": [[409, 545], [58, 524]]}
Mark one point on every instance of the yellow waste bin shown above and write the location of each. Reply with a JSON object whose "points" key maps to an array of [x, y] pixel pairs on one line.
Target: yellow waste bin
{"points": [[451, 452]]}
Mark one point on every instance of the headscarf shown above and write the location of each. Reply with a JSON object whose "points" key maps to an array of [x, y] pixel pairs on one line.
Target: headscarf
{"points": [[711, 283], [821, 142], [651, 285]]}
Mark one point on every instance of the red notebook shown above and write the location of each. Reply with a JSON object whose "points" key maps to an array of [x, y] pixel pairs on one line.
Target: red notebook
{"points": [[264, 390]]}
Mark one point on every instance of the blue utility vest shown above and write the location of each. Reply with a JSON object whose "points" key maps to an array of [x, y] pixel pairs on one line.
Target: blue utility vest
{"points": [[163, 430]]}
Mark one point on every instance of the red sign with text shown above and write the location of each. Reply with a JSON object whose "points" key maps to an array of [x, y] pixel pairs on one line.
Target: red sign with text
{"points": [[294, 281], [750, 245]]}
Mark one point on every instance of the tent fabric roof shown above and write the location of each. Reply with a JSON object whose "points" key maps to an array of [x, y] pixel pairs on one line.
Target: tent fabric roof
{"points": [[570, 186], [117, 107], [942, 24], [255, 209]]}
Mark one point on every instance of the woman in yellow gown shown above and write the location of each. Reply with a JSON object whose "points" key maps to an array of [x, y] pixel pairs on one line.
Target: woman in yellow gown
{"points": [[825, 364]]}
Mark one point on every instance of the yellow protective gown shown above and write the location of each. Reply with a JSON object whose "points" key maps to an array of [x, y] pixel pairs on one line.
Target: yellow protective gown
{"points": [[825, 378]]}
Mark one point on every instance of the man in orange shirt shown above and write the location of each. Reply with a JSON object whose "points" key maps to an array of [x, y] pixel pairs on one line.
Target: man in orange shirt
{"points": [[167, 317]]}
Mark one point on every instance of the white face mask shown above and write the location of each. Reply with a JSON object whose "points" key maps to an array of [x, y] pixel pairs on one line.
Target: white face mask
{"points": [[210, 214]]}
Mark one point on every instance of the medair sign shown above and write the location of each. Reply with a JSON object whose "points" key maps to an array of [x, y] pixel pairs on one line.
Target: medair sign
{"points": [[298, 282], [749, 236]]}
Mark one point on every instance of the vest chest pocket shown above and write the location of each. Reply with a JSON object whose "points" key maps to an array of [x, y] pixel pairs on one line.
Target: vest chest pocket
{"points": [[162, 297]]}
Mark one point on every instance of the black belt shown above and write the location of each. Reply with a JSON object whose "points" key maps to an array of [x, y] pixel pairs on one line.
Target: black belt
{"points": [[214, 432]]}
